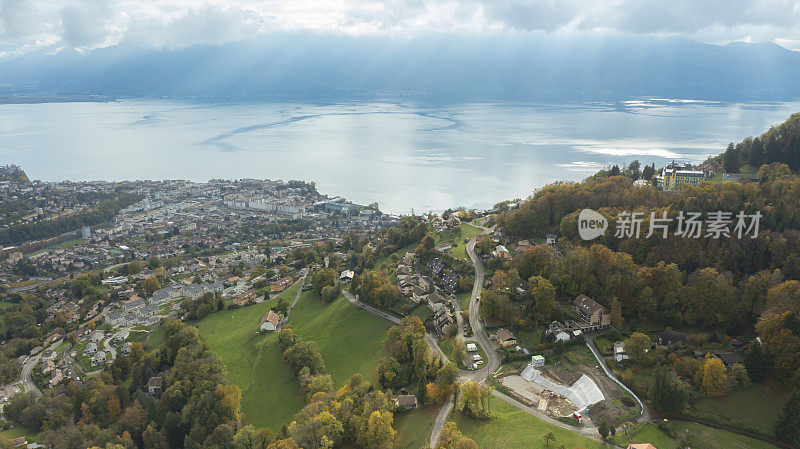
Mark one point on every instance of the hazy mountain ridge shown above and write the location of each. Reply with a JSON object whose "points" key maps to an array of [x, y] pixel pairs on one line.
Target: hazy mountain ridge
{"points": [[439, 68]]}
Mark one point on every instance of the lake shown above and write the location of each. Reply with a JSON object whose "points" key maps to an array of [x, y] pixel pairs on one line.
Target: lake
{"points": [[402, 155]]}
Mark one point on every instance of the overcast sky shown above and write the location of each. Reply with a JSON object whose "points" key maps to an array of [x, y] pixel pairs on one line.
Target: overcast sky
{"points": [[87, 24]]}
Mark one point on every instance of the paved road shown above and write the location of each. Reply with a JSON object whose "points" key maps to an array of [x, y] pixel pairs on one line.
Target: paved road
{"points": [[27, 376], [109, 348], [302, 281], [441, 419], [370, 309], [645, 413], [479, 335]]}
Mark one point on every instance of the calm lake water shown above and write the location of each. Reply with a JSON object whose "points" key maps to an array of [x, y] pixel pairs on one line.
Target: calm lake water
{"points": [[400, 155]]}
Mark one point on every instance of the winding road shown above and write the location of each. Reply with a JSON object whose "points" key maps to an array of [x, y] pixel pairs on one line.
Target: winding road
{"points": [[479, 336]]}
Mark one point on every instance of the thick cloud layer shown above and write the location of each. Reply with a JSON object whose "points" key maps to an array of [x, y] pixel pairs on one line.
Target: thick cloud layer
{"points": [[87, 24]]}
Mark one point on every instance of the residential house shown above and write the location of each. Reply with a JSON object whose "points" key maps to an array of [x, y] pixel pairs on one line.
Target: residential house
{"points": [[442, 317], [346, 276], [121, 336], [406, 401], [641, 446], [436, 266], [522, 245], [418, 294], [281, 284], [269, 321], [728, 358], [595, 315], [133, 303], [537, 361], [669, 338], [619, 352], [558, 331], [505, 338], [450, 281], [551, 239], [501, 252], [91, 348], [154, 385], [444, 247], [99, 358], [245, 298]]}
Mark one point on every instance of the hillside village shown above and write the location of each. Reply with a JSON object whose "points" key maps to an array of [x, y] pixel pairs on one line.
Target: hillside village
{"points": [[456, 308]]}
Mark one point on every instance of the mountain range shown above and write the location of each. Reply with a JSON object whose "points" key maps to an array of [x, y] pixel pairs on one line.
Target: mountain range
{"points": [[436, 68]]}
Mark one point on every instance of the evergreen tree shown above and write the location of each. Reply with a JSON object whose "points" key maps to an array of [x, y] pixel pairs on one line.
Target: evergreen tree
{"points": [[755, 362], [788, 426], [667, 393]]}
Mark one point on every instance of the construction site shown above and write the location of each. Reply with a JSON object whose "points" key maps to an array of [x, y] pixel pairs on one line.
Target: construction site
{"points": [[570, 386]]}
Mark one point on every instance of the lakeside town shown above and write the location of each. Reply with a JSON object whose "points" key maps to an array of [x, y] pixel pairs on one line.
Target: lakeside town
{"points": [[99, 281]]}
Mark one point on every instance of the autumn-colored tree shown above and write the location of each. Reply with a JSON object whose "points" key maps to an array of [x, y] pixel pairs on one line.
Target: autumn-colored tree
{"points": [[715, 379], [616, 314], [113, 409], [637, 346], [151, 284], [544, 297]]}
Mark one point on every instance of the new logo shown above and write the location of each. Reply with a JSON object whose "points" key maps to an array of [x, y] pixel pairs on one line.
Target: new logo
{"points": [[591, 224]]}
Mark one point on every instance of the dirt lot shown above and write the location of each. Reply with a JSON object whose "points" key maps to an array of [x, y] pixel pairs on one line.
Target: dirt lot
{"points": [[566, 369]]}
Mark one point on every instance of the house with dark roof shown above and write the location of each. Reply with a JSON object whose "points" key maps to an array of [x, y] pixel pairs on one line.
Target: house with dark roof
{"points": [[450, 281], [591, 312], [154, 385], [505, 338], [728, 358], [436, 266], [670, 338]]}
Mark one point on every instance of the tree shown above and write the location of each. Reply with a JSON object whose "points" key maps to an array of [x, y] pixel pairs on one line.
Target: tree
{"points": [[738, 377], [667, 392], [604, 428], [787, 428], [378, 432], [134, 267], [755, 362], [452, 438], [246, 438], [459, 351], [715, 380], [151, 284], [730, 159], [544, 297], [549, 438], [636, 346], [330, 292], [616, 314]]}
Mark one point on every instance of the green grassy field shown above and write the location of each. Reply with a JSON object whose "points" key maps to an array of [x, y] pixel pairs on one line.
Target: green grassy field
{"points": [[18, 431], [386, 261], [414, 429], [157, 335], [700, 437], [349, 340], [463, 300], [253, 361], [514, 429], [745, 407], [456, 237], [422, 311]]}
